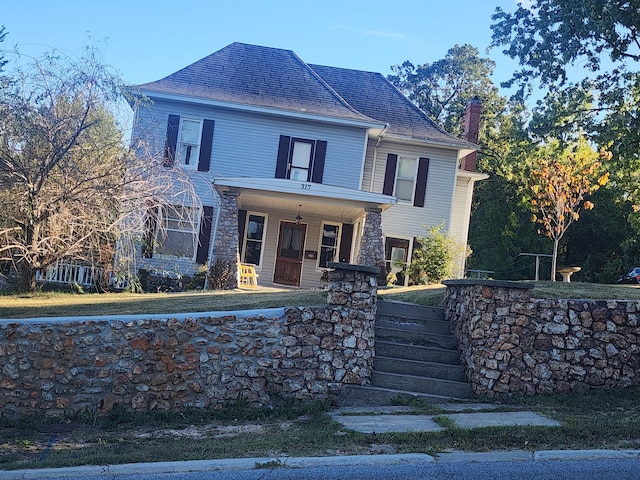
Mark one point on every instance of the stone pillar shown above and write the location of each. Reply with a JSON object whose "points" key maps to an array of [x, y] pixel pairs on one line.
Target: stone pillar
{"points": [[351, 299], [226, 243], [371, 245]]}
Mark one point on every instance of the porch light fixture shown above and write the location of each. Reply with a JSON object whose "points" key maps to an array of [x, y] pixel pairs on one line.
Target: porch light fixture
{"points": [[298, 217]]}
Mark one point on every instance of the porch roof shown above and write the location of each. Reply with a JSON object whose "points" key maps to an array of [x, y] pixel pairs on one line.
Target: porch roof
{"points": [[314, 197]]}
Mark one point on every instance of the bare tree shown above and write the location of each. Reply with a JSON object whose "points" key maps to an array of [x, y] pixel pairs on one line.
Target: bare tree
{"points": [[69, 186]]}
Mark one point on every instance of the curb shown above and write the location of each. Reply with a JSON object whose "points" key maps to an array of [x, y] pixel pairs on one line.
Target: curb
{"points": [[302, 462]]}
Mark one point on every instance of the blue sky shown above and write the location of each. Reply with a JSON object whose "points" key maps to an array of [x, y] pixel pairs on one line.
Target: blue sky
{"points": [[146, 40]]}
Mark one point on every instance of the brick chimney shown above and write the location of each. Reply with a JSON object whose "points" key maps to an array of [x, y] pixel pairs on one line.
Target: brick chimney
{"points": [[471, 132]]}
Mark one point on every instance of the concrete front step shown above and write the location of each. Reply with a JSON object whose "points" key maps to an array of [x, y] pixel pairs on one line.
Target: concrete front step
{"points": [[409, 310], [419, 369], [357, 396], [427, 339], [411, 383], [439, 327], [417, 352]]}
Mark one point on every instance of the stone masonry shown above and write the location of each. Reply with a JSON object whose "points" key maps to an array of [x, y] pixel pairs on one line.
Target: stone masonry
{"points": [[512, 343], [372, 243], [227, 240], [200, 360]]}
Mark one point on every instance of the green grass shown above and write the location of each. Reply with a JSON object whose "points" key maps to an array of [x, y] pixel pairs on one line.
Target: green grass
{"points": [[597, 419], [52, 304], [607, 419]]}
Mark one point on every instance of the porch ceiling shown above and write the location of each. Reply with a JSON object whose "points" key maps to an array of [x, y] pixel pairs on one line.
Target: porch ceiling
{"points": [[314, 198]]}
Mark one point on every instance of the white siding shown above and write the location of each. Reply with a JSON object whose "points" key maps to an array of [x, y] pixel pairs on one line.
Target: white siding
{"points": [[310, 274], [461, 213], [246, 144], [461, 210], [404, 220]]}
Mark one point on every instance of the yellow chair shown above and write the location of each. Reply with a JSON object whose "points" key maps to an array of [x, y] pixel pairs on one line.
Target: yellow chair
{"points": [[247, 276]]}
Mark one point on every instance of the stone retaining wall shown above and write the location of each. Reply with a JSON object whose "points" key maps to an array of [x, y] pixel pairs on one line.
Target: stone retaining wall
{"points": [[511, 343], [197, 360]]}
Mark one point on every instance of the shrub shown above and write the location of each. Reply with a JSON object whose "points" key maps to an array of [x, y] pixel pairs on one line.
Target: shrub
{"points": [[434, 257], [223, 275]]}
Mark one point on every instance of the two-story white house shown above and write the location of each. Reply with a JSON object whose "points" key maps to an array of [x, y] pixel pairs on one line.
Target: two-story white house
{"points": [[297, 165]]}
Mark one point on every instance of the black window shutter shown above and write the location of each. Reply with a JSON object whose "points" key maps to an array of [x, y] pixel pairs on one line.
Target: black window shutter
{"points": [[204, 238], [390, 174], [421, 182], [150, 225], [346, 238], [283, 156], [318, 161], [171, 141], [204, 160], [242, 219]]}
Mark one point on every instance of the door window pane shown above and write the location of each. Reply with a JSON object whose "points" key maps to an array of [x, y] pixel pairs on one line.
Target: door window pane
{"points": [[291, 242]]}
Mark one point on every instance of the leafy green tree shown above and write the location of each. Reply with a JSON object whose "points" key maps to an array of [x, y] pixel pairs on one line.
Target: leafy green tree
{"points": [[510, 137], [548, 36], [602, 243], [444, 88], [584, 55]]}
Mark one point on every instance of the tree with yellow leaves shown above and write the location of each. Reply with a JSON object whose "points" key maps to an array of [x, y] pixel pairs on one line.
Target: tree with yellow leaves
{"points": [[559, 180]]}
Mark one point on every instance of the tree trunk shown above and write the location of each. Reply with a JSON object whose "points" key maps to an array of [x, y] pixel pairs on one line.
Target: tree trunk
{"points": [[27, 278], [554, 259]]}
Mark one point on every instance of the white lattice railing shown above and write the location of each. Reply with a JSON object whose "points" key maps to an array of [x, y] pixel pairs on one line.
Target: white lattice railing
{"points": [[69, 273]]}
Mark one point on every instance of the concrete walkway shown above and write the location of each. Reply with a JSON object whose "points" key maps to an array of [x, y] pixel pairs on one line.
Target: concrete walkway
{"points": [[407, 419]]}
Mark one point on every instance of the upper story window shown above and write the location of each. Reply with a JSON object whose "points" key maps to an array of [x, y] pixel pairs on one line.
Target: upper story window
{"points": [[188, 143], [329, 244], [406, 178], [188, 147], [301, 159]]}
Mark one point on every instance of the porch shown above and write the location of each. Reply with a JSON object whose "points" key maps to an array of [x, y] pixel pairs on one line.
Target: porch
{"points": [[288, 230]]}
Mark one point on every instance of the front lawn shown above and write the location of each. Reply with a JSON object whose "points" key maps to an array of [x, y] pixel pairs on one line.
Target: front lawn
{"points": [[67, 304]]}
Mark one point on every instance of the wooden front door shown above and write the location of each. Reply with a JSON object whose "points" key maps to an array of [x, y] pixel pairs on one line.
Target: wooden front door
{"points": [[289, 254]]}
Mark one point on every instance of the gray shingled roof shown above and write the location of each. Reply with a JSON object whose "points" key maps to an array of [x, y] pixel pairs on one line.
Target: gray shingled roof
{"points": [[373, 95], [257, 76], [276, 78]]}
